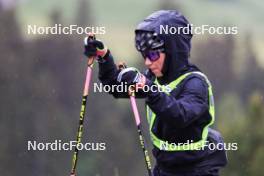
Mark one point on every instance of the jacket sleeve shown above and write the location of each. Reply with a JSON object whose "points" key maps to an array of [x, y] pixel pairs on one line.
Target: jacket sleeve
{"points": [[191, 103], [107, 70], [108, 73]]}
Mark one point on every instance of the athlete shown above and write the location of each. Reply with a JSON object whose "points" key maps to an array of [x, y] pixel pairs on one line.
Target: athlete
{"points": [[180, 106]]}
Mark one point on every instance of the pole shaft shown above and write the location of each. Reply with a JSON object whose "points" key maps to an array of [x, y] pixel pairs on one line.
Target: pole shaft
{"points": [[81, 120], [141, 138]]}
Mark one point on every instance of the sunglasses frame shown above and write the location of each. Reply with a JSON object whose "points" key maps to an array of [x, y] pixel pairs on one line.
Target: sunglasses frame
{"points": [[152, 55]]}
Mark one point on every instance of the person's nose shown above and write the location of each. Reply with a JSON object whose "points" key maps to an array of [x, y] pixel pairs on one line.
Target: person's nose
{"points": [[147, 62]]}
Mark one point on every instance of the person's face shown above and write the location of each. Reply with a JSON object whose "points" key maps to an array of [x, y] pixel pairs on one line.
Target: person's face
{"points": [[157, 65]]}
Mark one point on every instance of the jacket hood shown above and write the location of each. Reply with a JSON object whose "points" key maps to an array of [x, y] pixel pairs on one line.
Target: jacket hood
{"points": [[177, 44]]}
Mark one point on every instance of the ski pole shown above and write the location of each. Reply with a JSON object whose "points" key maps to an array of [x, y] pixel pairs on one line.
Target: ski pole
{"points": [[83, 107], [141, 139], [138, 123]]}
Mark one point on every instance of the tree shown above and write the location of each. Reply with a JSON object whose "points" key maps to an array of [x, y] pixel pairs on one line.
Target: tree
{"points": [[84, 15], [251, 78], [215, 58], [247, 132]]}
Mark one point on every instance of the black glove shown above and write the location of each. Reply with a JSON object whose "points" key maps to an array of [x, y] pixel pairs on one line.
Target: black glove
{"points": [[131, 76], [94, 48]]}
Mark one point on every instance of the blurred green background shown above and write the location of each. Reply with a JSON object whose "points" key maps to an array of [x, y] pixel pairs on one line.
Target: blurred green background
{"points": [[41, 81]]}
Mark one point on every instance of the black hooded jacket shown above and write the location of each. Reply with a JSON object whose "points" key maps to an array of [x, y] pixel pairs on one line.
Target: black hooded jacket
{"points": [[182, 115]]}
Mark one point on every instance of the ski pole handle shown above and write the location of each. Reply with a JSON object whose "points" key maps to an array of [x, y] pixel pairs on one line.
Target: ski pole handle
{"points": [[90, 62], [91, 37]]}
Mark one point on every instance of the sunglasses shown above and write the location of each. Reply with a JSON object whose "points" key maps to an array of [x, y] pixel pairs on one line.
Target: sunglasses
{"points": [[151, 55]]}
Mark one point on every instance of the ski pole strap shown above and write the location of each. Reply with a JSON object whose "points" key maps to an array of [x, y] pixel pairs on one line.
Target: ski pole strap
{"points": [[151, 117]]}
